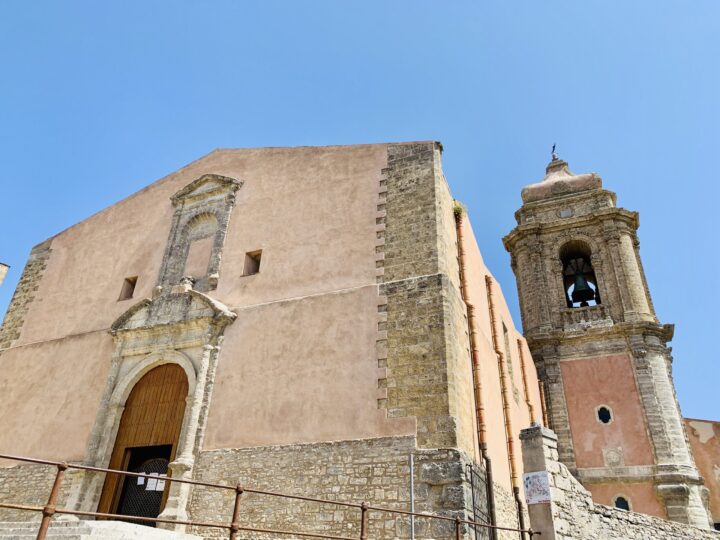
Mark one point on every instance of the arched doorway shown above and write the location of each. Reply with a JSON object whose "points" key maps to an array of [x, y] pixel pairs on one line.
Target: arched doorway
{"points": [[146, 442]]}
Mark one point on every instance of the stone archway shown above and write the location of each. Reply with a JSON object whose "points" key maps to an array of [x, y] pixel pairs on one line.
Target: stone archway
{"points": [[151, 424]]}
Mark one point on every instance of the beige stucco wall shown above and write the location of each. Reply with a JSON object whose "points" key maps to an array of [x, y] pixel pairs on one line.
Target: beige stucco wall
{"points": [[300, 371], [50, 392], [312, 211], [519, 412], [704, 437]]}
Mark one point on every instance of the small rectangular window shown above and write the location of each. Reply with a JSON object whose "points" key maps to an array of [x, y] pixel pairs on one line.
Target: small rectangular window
{"points": [[128, 288], [252, 262]]}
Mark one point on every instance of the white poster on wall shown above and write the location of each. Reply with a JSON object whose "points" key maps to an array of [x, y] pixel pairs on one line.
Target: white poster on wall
{"points": [[537, 487]]}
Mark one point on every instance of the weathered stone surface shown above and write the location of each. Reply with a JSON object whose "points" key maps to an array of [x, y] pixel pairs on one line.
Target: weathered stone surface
{"points": [[572, 514], [375, 471], [24, 294]]}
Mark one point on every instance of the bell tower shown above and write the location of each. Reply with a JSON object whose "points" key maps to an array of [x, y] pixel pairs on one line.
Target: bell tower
{"points": [[600, 350]]}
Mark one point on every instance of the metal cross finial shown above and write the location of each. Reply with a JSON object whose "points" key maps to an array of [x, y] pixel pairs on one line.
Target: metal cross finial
{"points": [[554, 154]]}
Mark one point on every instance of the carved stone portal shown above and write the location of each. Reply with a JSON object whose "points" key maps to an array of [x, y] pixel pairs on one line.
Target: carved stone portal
{"points": [[180, 324]]}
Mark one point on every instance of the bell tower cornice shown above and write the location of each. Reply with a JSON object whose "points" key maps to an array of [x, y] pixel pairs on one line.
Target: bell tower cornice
{"points": [[610, 219]]}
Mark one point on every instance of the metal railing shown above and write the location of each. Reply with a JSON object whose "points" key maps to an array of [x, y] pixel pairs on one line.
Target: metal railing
{"points": [[50, 508]]}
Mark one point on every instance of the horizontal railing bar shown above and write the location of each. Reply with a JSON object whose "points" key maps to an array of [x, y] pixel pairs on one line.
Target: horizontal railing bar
{"points": [[226, 487], [113, 471], [181, 480], [312, 535], [300, 497], [121, 516], [172, 521], [446, 518], [21, 507], [125, 517]]}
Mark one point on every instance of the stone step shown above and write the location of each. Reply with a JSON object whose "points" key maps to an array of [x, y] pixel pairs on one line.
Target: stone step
{"points": [[89, 530]]}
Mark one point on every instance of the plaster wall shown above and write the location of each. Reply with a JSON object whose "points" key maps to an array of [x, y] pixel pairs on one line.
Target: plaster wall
{"points": [[641, 495], [489, 371], [316, 379], [312, 211], [50, 393], [704, 439], [609, 381]]}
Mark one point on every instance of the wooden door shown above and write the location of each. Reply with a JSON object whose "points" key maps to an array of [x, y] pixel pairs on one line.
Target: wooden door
{"points": [[152, 417]]}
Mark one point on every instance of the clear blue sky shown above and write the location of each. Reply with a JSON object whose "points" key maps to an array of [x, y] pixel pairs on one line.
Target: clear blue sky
{"points": [[98, 99]]}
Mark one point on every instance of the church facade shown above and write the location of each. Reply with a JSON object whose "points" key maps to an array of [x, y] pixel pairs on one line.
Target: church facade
{"points": [[319, 321]]}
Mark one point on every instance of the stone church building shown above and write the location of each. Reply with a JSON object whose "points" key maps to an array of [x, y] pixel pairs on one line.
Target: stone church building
{"points": [[318, 321]]}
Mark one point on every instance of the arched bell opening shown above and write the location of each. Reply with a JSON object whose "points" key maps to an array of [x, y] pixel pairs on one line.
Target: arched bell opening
{"points": [[146, 442], [579, 280]]}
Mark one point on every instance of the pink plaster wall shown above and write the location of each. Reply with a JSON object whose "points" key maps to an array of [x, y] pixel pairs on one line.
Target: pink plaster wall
{"points": [[704, 437], [641, 496], [609, 380], [475, 273]]}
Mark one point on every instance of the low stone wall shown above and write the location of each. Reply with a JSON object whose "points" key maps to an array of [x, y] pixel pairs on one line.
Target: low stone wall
{"points": [[571, 513], [25, 484], [30, 484], [375, 471], [506, 514]]}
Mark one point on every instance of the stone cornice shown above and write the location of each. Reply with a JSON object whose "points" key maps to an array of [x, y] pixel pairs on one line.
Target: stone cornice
{"points": [[600, 217], [206, 186], [623, 329], [176, 303]]}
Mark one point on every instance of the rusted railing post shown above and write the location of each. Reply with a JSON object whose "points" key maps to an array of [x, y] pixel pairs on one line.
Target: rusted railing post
{"points": [[235, 524], [49, 509], [363, 521], [457, 527]]}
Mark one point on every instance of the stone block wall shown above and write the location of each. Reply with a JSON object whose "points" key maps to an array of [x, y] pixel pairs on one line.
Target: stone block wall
{"points": [[24, 294], [571, 513], [30, 484], [25, 484], [375, 471], [428, 363]]}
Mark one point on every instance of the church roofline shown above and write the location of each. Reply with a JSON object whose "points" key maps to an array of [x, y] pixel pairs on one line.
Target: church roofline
{"points": [[220, 150]]}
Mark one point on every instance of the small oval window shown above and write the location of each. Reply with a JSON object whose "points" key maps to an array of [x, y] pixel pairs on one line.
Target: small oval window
{"points": [[622, 503], [604, 415]]}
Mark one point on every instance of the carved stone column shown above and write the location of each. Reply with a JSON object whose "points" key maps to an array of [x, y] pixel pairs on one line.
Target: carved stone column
{"points": [[640, 308]]}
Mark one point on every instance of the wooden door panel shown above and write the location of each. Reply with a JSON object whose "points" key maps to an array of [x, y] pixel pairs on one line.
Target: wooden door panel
{"points": [[153, 416]]}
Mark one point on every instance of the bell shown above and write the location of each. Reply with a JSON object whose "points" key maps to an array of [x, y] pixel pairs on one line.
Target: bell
{"points": [[582, 291]]}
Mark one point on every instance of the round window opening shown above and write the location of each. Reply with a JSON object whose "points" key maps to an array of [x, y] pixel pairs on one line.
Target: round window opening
{"points": [[622, 503], [604, 415]]}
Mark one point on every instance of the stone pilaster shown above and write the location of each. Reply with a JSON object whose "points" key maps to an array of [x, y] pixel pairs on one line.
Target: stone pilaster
{"points": [[425, 312], [24, 294]]}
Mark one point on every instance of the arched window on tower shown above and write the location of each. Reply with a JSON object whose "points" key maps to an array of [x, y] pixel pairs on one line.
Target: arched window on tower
{"points": [[622, 503], [579, 281]]}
